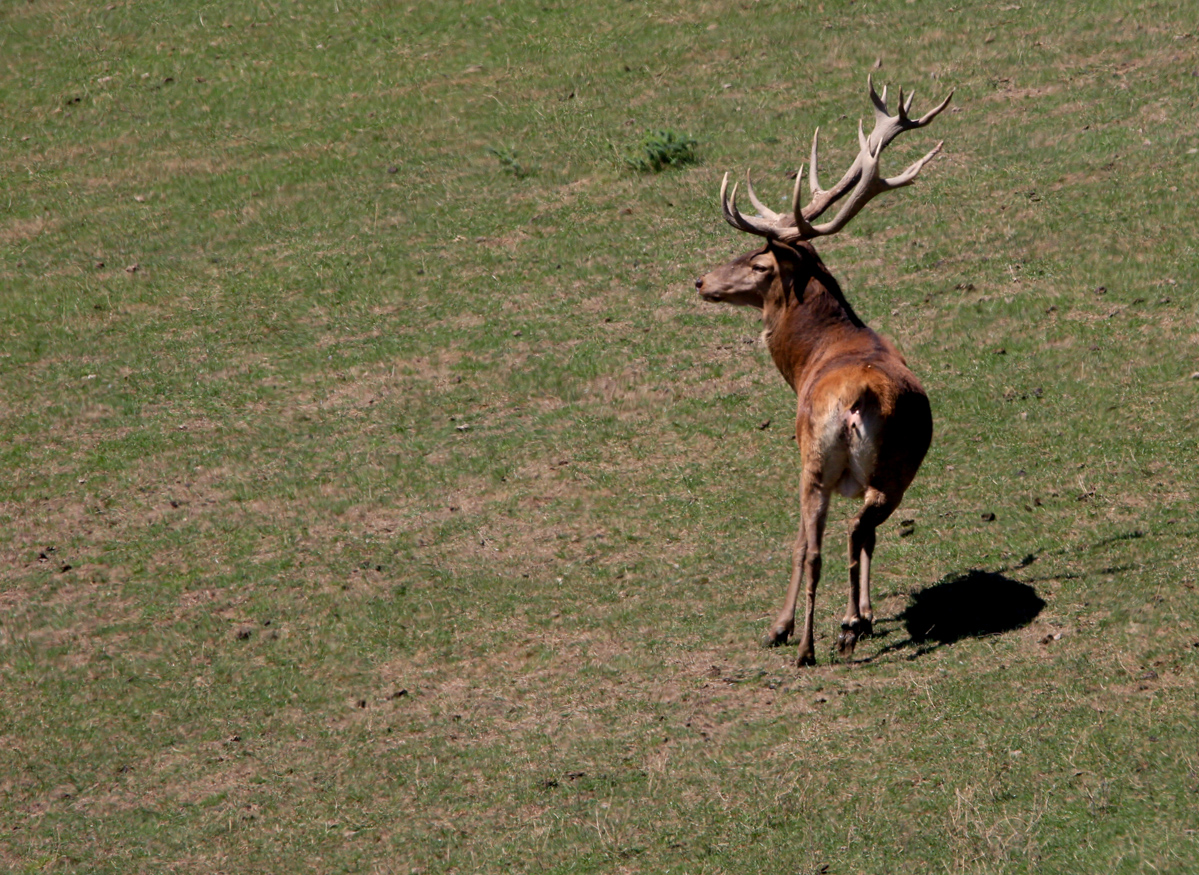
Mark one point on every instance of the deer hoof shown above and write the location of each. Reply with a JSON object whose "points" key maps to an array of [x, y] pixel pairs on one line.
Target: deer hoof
{"points": [[858, 627], [776, 636], [806, 657], [846, 642]]}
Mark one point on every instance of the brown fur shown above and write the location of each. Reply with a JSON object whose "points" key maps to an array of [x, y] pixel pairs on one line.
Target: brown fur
{"points": [[863, 421]]}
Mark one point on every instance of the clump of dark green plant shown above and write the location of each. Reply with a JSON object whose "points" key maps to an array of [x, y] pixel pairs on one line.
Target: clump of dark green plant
{"points": [[661, 149], [509, 162]]}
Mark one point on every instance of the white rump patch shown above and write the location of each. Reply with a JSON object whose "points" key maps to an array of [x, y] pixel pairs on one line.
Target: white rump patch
{"points": [[849, 446]]}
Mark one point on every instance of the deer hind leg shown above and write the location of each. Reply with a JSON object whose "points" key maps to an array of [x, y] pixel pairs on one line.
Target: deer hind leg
{"points": [[813, 510], [859, 615]]}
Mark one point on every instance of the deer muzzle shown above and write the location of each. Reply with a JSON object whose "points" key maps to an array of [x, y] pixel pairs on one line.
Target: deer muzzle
{"points": [[706, 293]]}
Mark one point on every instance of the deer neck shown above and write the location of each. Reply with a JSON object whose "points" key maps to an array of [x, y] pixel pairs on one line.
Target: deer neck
{"points": [[803, 326]]}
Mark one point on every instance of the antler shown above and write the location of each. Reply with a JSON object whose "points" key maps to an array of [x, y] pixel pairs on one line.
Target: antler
{"points": [[862, 177]]}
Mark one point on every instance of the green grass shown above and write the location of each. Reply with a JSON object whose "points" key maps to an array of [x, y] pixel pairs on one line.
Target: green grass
{"points": [[405, 512]]}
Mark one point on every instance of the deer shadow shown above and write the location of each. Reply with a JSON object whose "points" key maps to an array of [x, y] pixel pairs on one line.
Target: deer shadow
{"points": [[970, 605]]}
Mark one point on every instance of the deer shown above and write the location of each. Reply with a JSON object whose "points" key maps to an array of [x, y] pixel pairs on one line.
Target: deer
{"points": [[863, 422]]}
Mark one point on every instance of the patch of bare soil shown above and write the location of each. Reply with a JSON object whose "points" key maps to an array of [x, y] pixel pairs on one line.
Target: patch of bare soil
{"points": [[14, 232]]}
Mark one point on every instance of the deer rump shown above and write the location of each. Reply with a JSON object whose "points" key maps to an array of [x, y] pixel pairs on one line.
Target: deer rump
{"points": [[843, 423]]}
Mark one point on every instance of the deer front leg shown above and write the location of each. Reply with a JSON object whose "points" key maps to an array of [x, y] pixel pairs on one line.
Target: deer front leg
{"points": [[785, 624], [814, 509]]}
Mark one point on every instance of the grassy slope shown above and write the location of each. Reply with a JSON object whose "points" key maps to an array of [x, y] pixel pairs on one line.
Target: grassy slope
{"points": [[374, 416]]}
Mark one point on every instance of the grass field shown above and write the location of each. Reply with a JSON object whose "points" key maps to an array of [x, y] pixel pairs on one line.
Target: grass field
{"points": [[376, 494]]}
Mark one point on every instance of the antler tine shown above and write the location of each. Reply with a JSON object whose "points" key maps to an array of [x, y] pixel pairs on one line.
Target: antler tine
{"points": [[803, 228], [864, 146], [727, 207], [909, 175], [880, 103], [935, 111], [901, 111], [730, 214], [813, 182], [763, 210], [822, 199], [759, 225]]}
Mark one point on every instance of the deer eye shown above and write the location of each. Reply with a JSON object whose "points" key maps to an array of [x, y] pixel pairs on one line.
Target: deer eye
{"points": [[759, 268]]}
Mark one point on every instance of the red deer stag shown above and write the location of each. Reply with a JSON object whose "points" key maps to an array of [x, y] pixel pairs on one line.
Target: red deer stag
{"points": [[863, 422]]}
